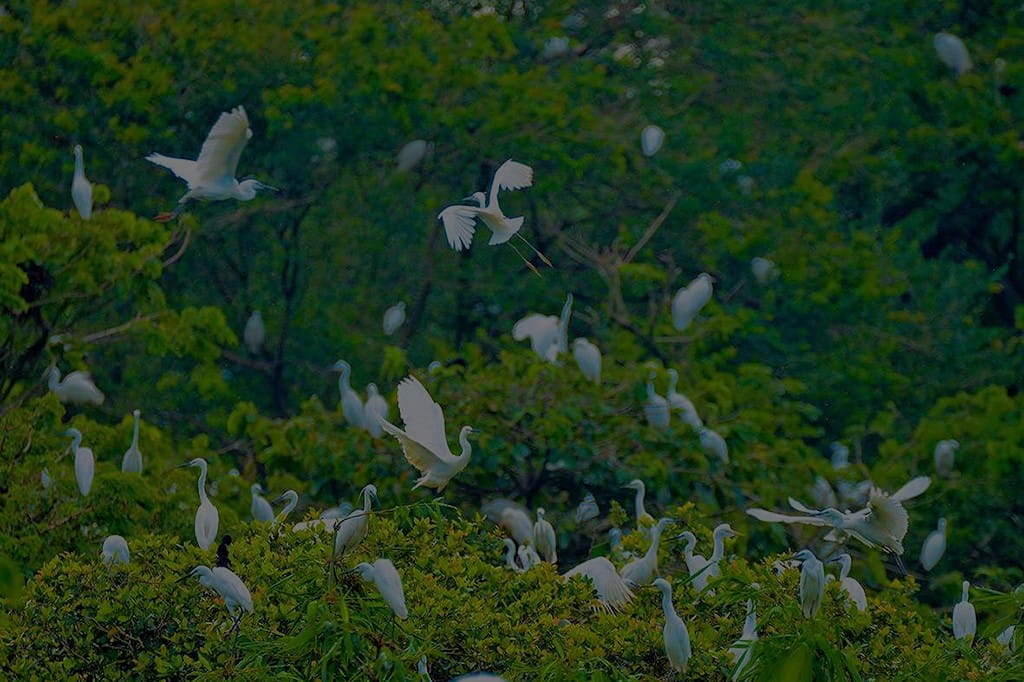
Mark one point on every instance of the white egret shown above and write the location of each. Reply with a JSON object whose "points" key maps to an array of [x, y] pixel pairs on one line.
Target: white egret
{"points": [[384, 575], [352, 529], [651, 139], [291, 500], [511, 555], [556, 46], [211, 177], [115, 550], [511, 517], [528, 556], [375, 409], [812, 582], [81, 188], [131, 462], [840, 455], [77, 387], [479, 677], [677, 639], [1006, 637], [721, 532], [460, 221], [207, 517], [945, 455], [713, 444], [85, 462], [255, 333], [965, 620], [588, 509], [612, 591], [656, 408], [351, 404], [643, 519], [421, 668], [412, 154], [679, 402], [394, 317], [696, 564], [689, 300], [765, 271], [44, 478], [952, 52], [642, 571], [544, 538], [260, 508], [228, 586], [934, 546], [548, 334], [850, 585], [424, 441], [742, 650], [588, 357]]}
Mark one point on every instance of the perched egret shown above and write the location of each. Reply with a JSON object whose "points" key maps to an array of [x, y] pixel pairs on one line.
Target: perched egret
{"points": [[548, 334], [588, 509], [207, 518], [952, 52], [679, 402], [351, 404], [689, 300], [211, 177], [721, 532], [77, 387], [291, 500], [812, 582], [612, 591], [424, 441], [260, 508], [840, 456], [375, 409], [643, 519], [394, 317], [511, 556], [528, 556], [651, 139], [255, 333], [115, 550], [511, 517], [850, 585], [131, 462], [741, 651], [412, 154], [677, 639], [656, 408], [229, 586], [965, 620], [1006, 637], [544, 538], [85, 462], [44, 478], [383, 574], [765, 271], [934, 546], [713, 444], [352, 529], [642, 571], [945, 455], [696, 564], [588, 357], [81, 188]]}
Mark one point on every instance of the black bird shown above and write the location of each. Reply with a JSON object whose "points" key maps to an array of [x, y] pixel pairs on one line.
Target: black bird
{"points": [[222, 552]]}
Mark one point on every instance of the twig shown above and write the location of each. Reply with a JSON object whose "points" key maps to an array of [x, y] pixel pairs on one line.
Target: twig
{"points": [[652, 228]]}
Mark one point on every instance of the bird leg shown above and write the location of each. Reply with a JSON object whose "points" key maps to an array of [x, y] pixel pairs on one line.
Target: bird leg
{"points": [[899, 562], [168, 217], [528, 263], [535, 250]]}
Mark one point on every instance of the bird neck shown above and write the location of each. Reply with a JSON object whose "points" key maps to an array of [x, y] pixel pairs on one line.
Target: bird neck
{"points": [[201, 485], [719, 551], [54, 379], [79, 164], [76, 440], [343, 380], [666, 603], [135, 433], [652, 551], [750, 624], [966, 592], [638, 503], [367, 502], [467, 449], [673, 378]]}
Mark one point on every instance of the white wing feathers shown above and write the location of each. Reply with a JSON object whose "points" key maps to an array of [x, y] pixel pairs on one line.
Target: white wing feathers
{"points": [[612, 590], [459, 225], [511, 175], [183, 168], [773, 517], [223, 147], [424, 420], [912, 489]]}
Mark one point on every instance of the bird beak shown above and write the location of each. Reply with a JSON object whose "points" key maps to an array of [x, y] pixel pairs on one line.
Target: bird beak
{"points": [[677, 537], [184, 577], [184, 466], [267, 187], [469, 198], [279, 498]]}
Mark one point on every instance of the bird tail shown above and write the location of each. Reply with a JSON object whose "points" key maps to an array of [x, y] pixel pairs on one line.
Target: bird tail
{"points": [[514, 225]]}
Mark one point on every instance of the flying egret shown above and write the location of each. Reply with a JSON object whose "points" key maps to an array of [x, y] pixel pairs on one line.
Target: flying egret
{"points": [[81, 188], [741, 651], [952, 52], [412, 154], [840, 455], [965, 620], [548, 334], [656, 408], [689, 300], [812, 582], [115, 550], [721, 532], [394, 317], [679, 402], [77, 387], [228, 586], [260, 508], [945, 454], [544, 538], [131, 462], [588, 357], [352, 529], [696, 564], [651, 139], [765, 271], [207, 518], [211, 177], [85, 462], [643, 519], [255, 333], [677, 639], [612, 591], [850, 585], [375, 409], [934, 546], [713, 444], [460, 221], [642, 571], [383, 574], [424, 441], [291, 500], [351, 404], [588, 509]]}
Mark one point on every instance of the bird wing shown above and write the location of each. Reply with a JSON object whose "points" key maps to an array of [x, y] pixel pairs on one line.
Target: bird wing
{"points": [[912, 489], [424, 420], [774, 517], [417, 454], [459, 225], [888, 515], [218, 159], [185, 169], [511, 175], [800, 507], [611, 589], [233, 587]]}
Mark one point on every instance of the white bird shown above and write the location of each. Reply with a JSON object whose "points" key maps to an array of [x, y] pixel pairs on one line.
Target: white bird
{"points": [[228, 586], [934, 546], [642, 571], [850, 585], [643, 519], [460, 221], [211, 177], [394, 317], [656, 408], [383, 574], [713, 444], [291, 499], [511, 556], [741, 651], [375, 409], [85, 462], [548, 334], [77, 387], [511, 517], [115, 550], [1006, 637], [721, 532], [689, 300], [612, 591], [588, 509], [424, 441], [765, 271], [260, 508], [945, 455], [823, 494], [81, 188], [588, 357], [677, 639], [696, 564], [679, 402], [952, 52], [255, 333], [544, 538], [131, 462], [412, 154], [840, 456], [352, 529], [812, 582], [651, 139], [965, 620], [555, 46], [528, 556], [351, 404], [207, 518]]}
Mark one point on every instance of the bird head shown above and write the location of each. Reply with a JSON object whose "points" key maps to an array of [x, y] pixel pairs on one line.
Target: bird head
{"points": [[478, 197], [690, 538], [725, 531], [832, 515], [469, 431], [370, 491], [635, 484], [804, 555], [288, 495], [197, 462], [201, 571], [942, 525], [251, 187], [257, 489], [341, 366], [662, 586]]}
